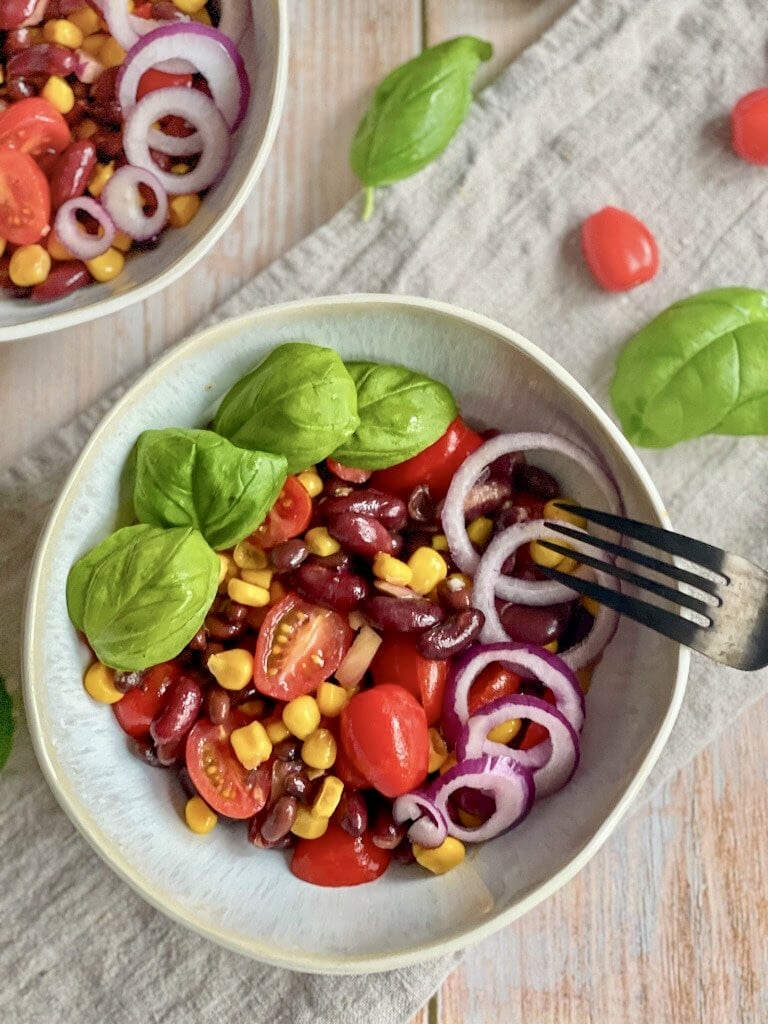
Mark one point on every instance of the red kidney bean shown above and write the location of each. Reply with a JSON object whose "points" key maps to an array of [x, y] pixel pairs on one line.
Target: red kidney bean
{"points": [[42, 59], [397, 544], [186, 783], [538, 481], [299, 785], [23, 88], [403, 854], [362, 535], [511, 514], [531, 625], [487, 498], [145, 752], [384, 832], [14, 12], [166, 10], [17, 40], [279, 820], [256, 839], [288, 555], [338, 489], [474, 801], [233, 611], [281, 772], [340, 591], [422, 507], [125, 681], [62, 8], [221, 630], [72, 172], [63, 279], [414, 539], [198, 641], [352, 813], [182, 707], [108, 143], [385, 508], [148, 244], [288, 749], [339, 561], [454, 635], [403, 615], [247, 693], [217, 705], [454, 595], [170, 753], [579, 625]]}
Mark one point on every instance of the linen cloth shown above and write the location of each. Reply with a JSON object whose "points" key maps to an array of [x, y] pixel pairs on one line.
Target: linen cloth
{"points": [[622, 102]]}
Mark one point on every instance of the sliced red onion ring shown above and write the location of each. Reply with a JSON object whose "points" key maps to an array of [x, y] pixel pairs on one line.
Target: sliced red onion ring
{"points": [[211, 53], [509, 782], [123, 202], [488, 583], [37, 14], [429, 826], [528, 660], [462, 551], [561, 750], [72, 235], [200, 111], [128, 28]]}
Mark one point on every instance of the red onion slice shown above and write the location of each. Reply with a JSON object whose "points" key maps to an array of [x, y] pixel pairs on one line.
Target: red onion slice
{"points": [[37, 14], [73, 236], [561, 749], [123, 202], [127, 28], [194, 107], [510, 784], [429, 826], [462, 551]]}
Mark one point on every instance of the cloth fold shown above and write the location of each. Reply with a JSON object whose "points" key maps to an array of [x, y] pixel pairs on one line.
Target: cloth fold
{"points": [[622, 102]]}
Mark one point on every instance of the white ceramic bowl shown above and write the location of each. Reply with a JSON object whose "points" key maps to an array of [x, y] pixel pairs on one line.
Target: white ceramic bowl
{"points": [[265, 51], [221, 886]]}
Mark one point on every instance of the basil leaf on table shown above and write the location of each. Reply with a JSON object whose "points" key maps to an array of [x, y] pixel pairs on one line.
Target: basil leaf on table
{"points": [[142, 594], [701, 367], [401, 413], [198, 478], [7, 724], [415, 112], [299, 402]]}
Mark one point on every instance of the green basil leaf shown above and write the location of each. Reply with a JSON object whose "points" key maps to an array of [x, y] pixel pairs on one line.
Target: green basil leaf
{"points": [[299, 402], [401, 413], [701, 367], [415, 112], [7, 724], [198, 478], [142, 594]]}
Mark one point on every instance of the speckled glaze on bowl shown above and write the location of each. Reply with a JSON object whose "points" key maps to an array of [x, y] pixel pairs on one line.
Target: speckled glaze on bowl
{"points": [[265, 51], [219, 885]]}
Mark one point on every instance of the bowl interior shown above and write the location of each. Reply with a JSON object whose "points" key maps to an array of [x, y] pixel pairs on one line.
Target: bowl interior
{"points": [[264, 51], [219, 884]]}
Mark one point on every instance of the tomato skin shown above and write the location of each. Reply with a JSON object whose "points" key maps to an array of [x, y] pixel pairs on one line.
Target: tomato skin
{"points": [[288, 517], [337, 859], [346, 771], [619, 249], [535, 733], [287, 670], [434, 466], [34, 126], [137, 709], [229, 789], [398, 661], [493, 682], [349, 474], [749, 127], [153, 79], [384, 734], [25, 198]]}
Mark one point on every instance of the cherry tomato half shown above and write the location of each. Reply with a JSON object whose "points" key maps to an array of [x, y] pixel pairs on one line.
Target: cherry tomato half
{"points": [[144, 702], [299, 645], [535, 733], [218, 776], [25, 198], [434, 466], [619, 249], [288, 517], [749, 127], [495, 680], [337, 858], [384, 733], [34, 126], [398, 661], [153, 80]]}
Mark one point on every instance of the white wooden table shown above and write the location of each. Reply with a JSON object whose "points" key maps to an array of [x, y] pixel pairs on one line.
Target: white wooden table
{"points": [[669, 922]]}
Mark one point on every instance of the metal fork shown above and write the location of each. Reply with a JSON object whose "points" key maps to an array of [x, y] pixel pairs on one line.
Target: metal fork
{"points": [[732, 625]]}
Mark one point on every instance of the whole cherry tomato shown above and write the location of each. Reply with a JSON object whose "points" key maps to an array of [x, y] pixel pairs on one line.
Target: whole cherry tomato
{"points": [[619, 249], [337, 858], [434, 466], [398, 661], [749, 127]]}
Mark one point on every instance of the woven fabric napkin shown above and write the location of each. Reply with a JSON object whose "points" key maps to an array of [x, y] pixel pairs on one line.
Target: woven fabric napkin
{"points": [[623, 102]]}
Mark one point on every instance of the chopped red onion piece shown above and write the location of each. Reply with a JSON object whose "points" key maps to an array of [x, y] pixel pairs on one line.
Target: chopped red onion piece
{"points": [[37, 14], [510, 784], [87, 68], [429, 826], [72, 234], [125, 205]]}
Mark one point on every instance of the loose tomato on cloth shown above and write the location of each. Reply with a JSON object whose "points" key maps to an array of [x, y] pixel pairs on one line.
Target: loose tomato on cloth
{"points": [[398, 661], [298, 646], [218, 776], [144, 702], [337, 858], [288, 517], [384, 734], [619, 249], [25, 198], [34, 126], [434, 466], [749, 127]]}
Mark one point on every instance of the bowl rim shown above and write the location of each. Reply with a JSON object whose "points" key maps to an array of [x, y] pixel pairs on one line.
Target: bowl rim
{"points": [[108, 850], [115, 303]]}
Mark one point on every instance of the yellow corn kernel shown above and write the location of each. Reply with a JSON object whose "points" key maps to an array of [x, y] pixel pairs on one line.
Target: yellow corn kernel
{"points": [[199, 816], [320, 542], [589, 604], [551, 511], [469, 820], [584, 675], [314, 773], [180, 169], [226, 566], [190, 6], [85, 129], [99, 682], [308, 825], [552, 647], [94, 42], [479, 531], [311, 482], [448, 763], [252, 708], [86, 19], [3, 244], [63, 32], [551, 559], [439, 542], [107, 266], [59, 94], [331, 699], [203, 17], [55, 249], [428, 568], [111, 54], [232, 669], [276, 592], [438, 751], [302, 716], [249, 556], [251, 744], [328, 796], [392, 570], [449, 854], [247, 593], [257, 577], [277, 731], [182, 209], [122, 241], [29, 265], [505, 731], [101, 175], [319, 749], [35, 37]]}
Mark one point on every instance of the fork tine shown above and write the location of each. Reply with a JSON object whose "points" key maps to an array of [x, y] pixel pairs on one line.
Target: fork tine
{"points": [[667, 568], [673, 543], [673, 626], [659, 589]]}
